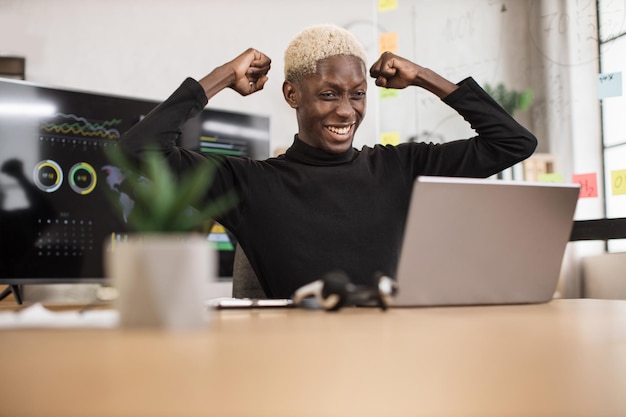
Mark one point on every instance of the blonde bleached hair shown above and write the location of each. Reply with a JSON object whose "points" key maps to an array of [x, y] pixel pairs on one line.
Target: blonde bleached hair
{"points": [[316, 43]]}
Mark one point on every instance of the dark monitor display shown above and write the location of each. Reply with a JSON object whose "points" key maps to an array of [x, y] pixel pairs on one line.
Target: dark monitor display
{"points": [[54, 214]]}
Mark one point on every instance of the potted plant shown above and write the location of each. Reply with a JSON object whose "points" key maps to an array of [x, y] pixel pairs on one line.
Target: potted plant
{"points": [[510, 100], [162, 267]]}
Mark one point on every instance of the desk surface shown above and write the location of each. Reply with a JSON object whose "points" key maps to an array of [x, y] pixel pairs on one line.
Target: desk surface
{"points": [[564, 358]]}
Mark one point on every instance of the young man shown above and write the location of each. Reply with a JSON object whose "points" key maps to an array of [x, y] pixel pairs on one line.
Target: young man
{"points": [[324, 205]]}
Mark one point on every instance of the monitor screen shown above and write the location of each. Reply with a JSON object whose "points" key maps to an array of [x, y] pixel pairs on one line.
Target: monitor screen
{"points": [[55, 216]]}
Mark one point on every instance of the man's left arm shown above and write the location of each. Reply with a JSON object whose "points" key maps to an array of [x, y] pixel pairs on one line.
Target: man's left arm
{"points": [[500, 142]]}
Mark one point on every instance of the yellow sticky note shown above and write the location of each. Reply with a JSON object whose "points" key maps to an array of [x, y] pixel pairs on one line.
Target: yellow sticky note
{"points": [[551, 177], [386, 5], [386, 93], [390, 138], [388, 42], [618, 182], [218, 228]]}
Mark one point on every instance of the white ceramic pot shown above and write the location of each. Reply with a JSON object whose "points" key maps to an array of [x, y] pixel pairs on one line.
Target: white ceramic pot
{"points": [[162, 279]]}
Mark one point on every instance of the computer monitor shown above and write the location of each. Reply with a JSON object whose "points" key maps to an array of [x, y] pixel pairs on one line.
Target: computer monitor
{"points": [[54, 175]]}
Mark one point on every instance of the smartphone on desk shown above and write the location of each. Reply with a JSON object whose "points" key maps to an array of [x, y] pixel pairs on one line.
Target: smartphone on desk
{"points": [[228, 303]]}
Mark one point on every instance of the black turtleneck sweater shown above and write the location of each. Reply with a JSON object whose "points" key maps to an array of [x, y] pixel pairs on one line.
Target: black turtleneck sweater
{"points": [[308, 212]]}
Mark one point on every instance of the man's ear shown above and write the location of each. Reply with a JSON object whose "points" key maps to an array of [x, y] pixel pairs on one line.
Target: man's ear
{"points": [[291, 94]]}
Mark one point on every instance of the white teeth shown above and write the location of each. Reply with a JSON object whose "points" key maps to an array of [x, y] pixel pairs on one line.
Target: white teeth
{"points": [[338, 130]]}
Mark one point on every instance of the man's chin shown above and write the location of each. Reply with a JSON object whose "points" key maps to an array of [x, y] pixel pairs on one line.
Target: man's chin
{"points": [[334, 144], [339, 147]]}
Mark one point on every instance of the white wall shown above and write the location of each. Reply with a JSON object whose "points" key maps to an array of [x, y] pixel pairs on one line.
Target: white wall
{"points": [[145, 48]]}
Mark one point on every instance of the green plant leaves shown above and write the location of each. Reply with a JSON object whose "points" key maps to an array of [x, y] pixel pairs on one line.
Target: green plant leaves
{"points": [[510, 100], [526, 99]]}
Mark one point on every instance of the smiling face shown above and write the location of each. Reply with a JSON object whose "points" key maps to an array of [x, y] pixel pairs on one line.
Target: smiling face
{"points": [[330, 104]]}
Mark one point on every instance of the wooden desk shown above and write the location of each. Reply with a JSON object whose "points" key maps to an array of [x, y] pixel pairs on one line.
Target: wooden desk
{"points": [[564, 358]]}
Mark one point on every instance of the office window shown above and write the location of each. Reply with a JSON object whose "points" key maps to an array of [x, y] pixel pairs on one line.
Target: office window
{"points": [[612, 45], [613, 60]]}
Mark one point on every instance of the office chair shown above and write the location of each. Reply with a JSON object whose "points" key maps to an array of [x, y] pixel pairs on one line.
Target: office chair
{"points": [[245, 282]]}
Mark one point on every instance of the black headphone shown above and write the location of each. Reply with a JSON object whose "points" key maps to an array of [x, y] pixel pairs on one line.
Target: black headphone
{"points": [[335, 290]]}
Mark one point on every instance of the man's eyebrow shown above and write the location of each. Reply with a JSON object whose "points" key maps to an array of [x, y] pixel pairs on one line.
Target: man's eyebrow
{"points": [[339, 87]]}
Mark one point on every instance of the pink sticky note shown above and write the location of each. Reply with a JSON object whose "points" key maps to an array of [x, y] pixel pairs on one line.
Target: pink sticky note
{"points": [[588, 184]]}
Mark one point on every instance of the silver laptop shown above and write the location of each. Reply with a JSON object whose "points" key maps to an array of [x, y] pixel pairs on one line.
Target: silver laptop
{"points": [[484, 241]]}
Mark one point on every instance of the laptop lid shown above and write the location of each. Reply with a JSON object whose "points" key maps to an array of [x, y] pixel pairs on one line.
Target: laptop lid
{"points": [[484, 241]]}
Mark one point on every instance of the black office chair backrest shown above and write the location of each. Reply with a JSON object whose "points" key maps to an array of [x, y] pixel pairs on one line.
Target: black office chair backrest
{"points": [[245, 282]]}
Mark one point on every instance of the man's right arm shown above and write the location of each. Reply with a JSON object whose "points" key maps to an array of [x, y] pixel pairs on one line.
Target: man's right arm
{"points": [[160, 129], [246, 74]]}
